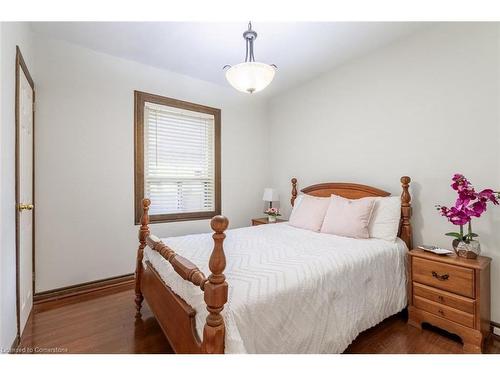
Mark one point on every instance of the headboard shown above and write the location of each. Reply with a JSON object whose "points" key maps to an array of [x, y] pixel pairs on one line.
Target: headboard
{"points": [[356, 191]]}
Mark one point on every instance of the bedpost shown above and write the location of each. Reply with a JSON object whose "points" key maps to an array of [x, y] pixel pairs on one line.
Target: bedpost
{"points": [[143, 234], [405, 230], [294, 191], [216, 291]]}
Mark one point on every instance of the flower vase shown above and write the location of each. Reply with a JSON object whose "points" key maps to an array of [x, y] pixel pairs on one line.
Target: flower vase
{"points": [[469, 250], [271, 219]]}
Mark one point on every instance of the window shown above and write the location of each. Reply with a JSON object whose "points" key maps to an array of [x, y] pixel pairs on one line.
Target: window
{"points": [[177, 159]]}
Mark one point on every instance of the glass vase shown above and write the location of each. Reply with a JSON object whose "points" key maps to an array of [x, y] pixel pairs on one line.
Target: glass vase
{"points": [[469, 250], [271, 219]]}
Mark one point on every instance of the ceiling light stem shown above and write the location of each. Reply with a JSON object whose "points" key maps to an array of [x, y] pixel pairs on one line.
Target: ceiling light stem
{"points": [[252, 58], [246, 53], [249, 36], [249, 57]]}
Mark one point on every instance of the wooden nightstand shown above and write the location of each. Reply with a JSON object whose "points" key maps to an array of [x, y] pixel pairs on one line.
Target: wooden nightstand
{"points": [[263, 220], [451, 293]]}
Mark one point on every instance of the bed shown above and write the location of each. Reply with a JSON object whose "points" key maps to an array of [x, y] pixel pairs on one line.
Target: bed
{"points": [[281, 289]]}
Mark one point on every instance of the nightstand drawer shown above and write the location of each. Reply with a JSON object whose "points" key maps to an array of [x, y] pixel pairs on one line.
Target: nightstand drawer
{"points": [[452, 300], [459, 280], [444, 312]]}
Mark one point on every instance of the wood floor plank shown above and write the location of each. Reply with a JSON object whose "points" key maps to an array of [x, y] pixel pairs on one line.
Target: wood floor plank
{"points": [[102, 325], [107, 325]]}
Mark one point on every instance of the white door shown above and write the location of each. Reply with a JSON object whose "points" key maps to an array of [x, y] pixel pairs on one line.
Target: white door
{"points": [[25, 198]]}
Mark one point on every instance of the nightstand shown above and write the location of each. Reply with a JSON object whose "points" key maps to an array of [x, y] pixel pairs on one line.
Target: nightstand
{"points": [[263, 220], [451, 293]]}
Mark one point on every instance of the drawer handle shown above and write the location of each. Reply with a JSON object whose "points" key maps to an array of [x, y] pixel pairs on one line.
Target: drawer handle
{"points": [[441, 312], [440, 277], [441, 298]]}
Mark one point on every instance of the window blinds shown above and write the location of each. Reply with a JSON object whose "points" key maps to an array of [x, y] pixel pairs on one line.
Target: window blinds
{"points": [[179, 154]]}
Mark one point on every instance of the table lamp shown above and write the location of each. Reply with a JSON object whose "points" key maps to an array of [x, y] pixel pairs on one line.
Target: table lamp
{"points": [[270, 195]]}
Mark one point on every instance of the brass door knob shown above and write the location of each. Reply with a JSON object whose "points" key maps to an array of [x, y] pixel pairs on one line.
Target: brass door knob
{"points": [[24, 206]]}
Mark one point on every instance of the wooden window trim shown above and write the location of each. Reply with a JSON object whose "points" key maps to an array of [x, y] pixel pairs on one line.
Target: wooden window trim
{"points": [[140, 98]]}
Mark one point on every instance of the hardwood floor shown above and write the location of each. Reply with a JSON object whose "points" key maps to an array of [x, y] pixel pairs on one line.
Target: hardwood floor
{"points": [[394, 336], [106, 325], [102, 325]]}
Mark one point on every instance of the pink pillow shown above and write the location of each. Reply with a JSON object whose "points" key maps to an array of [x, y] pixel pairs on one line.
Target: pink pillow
{"points": [[348, 218], [309, 213]]}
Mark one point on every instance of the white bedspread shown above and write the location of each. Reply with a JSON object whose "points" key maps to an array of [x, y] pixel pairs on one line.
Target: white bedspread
{"points": [[293, 290]]}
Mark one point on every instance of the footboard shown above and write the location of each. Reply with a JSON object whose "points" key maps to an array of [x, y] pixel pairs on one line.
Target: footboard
{"points": [[174, 315]]}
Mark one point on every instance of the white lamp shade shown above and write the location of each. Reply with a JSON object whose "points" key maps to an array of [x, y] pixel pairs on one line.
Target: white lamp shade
{"points": [[270, 195], [250, 77]]}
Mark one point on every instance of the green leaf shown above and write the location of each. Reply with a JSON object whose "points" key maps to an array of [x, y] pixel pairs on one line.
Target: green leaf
{"points": [[454, 234], [474, 235]]}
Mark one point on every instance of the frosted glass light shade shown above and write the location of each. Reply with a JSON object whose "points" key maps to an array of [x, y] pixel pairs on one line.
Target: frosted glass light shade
{"points": [[250, 77]]}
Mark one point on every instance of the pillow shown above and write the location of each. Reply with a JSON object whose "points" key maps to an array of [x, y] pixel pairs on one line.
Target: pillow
{"points": [[299, 197], [348, 218], [297, 202], [309, 212], [386, 215]]}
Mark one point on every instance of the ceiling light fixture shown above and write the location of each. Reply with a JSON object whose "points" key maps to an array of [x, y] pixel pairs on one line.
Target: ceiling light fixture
{"points": [[250, 76]]}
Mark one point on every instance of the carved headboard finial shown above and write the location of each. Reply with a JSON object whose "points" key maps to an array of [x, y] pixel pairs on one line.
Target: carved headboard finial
{"points": [[215, 290], [406, 233], [144, 229], [219, 224], [143, 235], [294, 191], [405, 180]]}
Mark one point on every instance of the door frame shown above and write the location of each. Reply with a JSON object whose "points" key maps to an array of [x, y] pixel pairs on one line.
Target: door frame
{"points": [[21, 66]]}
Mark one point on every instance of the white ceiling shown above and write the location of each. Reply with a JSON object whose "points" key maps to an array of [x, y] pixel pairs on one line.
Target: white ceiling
{"points": [[301, 50]]}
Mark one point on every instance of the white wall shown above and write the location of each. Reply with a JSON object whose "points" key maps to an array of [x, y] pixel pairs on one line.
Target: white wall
{"points": [[426, 106], [409, 108], [1, 196], [12, 34], [85, 160]]}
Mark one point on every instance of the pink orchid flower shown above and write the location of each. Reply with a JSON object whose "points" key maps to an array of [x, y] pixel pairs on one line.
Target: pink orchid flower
{"points": [[468, 204]]}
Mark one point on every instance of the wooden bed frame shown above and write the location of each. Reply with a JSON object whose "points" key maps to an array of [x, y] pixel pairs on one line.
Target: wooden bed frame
{"points": [[176, 317]]}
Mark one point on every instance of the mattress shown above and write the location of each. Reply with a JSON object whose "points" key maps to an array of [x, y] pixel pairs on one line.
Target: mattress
{"points": [[292, 290]]}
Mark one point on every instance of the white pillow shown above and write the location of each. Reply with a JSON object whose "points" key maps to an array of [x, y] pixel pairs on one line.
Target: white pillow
{"points": [[384, 223], [297, 201], [348, 217], [309, 212]]}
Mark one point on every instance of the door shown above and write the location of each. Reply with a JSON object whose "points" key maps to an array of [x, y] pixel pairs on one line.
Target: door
{"points": [[24, 190]]}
